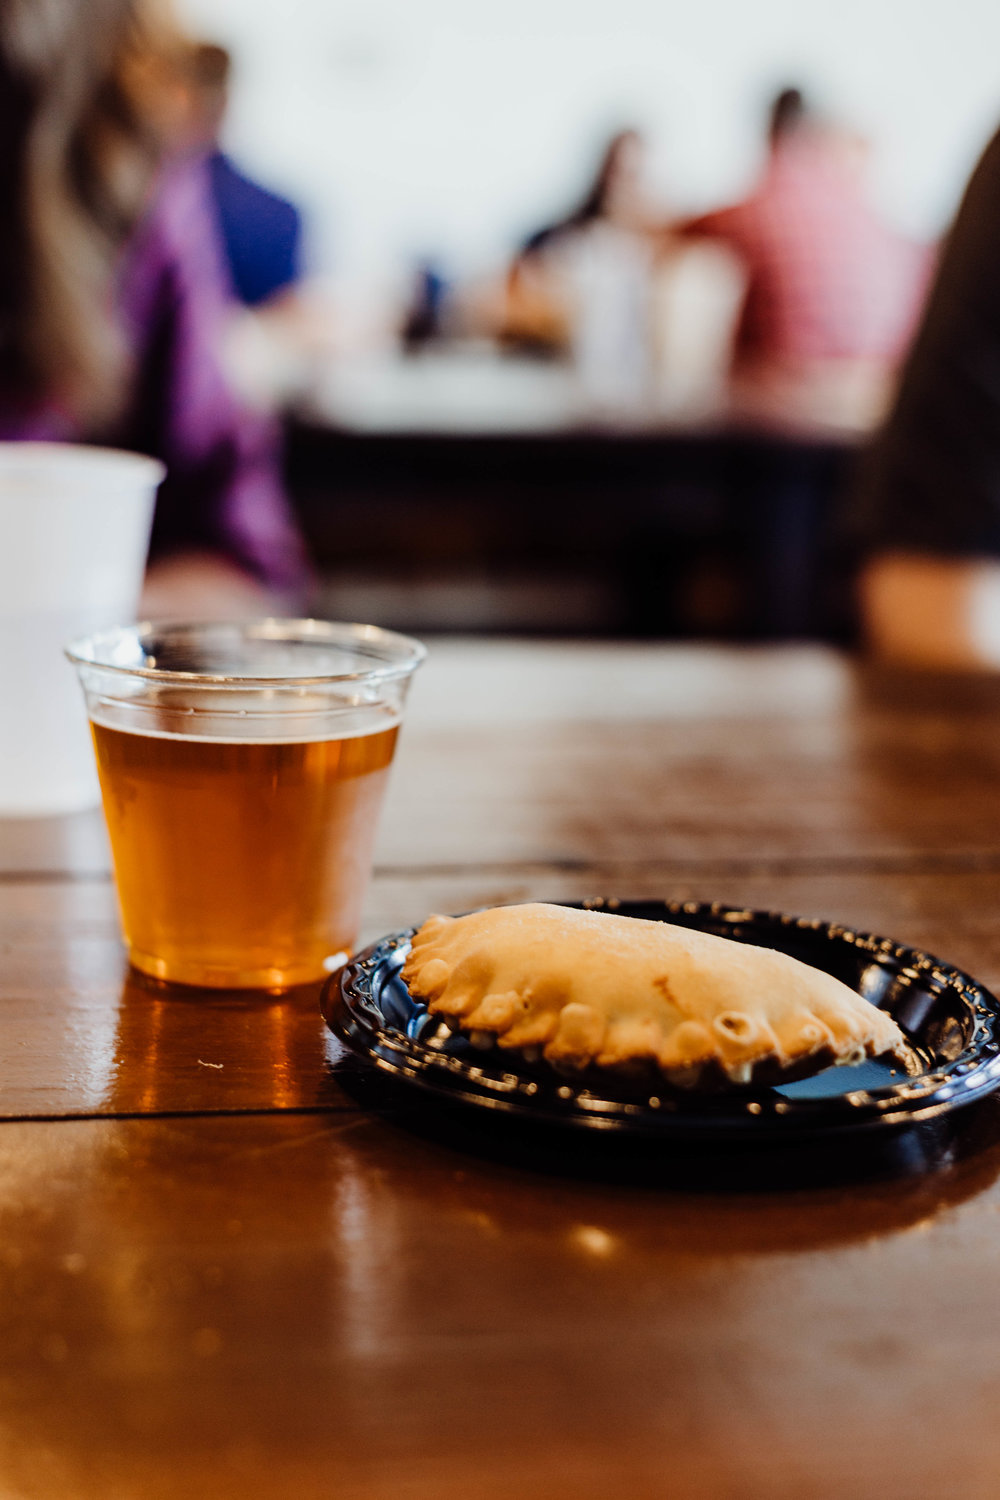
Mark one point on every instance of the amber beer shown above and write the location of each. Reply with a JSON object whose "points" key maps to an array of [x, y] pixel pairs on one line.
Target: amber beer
{"points": [[242, 862]]}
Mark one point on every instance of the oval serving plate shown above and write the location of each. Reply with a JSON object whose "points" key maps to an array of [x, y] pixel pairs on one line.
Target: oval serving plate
{"points": [[951, 1022]]}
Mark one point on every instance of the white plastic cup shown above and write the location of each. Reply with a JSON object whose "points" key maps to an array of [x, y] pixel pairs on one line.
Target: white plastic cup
{"points": [[74, 531]]}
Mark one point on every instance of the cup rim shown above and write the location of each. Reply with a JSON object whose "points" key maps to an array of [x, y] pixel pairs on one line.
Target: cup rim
{"points": [[84, 651], [95, 463]]}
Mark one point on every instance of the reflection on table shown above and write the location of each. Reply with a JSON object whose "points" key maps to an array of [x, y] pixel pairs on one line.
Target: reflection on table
{"points": [[232, 1265]]}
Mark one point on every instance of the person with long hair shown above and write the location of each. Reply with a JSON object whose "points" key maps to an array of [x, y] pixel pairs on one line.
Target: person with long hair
{"points": [[581, 286], [113, 294], [614, 193]]}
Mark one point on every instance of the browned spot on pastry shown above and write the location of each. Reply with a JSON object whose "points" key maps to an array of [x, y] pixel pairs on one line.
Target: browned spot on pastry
{"points": [[735, 1026]]}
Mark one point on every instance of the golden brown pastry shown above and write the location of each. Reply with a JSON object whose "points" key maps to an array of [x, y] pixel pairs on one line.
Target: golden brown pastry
{"points": [[588, 988]]}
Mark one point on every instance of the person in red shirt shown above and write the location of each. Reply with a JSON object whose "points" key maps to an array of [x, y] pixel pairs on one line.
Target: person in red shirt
{"points": [[833, 293]]}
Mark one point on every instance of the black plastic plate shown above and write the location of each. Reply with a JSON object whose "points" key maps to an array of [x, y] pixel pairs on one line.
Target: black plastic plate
{"points": [[951, 1022]]}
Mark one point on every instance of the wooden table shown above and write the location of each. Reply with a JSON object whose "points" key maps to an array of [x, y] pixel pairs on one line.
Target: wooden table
{"points": [[229, 1267]]}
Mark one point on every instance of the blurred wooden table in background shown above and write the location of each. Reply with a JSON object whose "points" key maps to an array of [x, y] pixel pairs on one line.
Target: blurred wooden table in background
{"points": [[230, 1267]]}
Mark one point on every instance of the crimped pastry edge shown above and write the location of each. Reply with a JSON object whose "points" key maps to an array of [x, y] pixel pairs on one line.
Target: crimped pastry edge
{"points": [[710, 1075]]}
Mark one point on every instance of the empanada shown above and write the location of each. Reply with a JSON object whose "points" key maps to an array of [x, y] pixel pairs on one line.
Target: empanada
{"points": [[590, 989]]}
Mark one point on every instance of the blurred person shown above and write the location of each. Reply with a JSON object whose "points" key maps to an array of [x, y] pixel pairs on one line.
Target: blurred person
{"points": [[261, 231], [113, 297], [582, 286], [927, 504], [831, 298], [283, 328], [426, 315], [832, 292]]}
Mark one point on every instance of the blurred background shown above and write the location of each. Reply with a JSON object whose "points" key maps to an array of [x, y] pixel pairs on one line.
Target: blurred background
{"points": [[449, 478], [576, 315], [451, 130]]}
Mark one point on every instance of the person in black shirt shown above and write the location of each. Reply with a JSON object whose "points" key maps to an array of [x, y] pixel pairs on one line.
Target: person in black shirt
{"points": [[926, 510]]}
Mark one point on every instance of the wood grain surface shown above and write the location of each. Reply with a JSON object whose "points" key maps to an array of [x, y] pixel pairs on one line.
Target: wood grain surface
{"points": [[232, 1264]]}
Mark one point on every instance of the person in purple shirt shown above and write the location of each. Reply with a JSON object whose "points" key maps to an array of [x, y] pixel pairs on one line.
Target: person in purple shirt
{"points": [[114, 296]]}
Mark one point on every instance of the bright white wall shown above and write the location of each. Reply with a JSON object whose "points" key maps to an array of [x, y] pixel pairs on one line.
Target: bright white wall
{"points": [[453, 126]]}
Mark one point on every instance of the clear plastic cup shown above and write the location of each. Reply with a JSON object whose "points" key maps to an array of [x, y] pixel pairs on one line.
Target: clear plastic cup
{"points": [[74, 530], [242, 769]]}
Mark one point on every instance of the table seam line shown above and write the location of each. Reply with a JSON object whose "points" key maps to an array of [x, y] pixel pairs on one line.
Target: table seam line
{"points": [[987, 862], [51, 1118]]}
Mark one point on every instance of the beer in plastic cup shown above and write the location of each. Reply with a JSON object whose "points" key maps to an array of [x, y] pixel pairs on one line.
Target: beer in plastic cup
{"points": [[242, 770]]}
